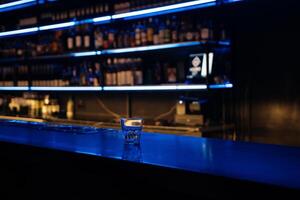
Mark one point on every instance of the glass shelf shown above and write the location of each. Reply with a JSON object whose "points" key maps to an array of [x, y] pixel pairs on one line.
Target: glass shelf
{"points": [[177, 87]]}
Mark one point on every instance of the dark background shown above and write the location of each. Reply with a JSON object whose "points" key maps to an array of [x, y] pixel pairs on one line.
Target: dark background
{"points": [[266, 71]]}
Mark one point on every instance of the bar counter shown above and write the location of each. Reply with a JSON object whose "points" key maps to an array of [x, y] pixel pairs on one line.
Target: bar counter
{"points": [[185, 165]]}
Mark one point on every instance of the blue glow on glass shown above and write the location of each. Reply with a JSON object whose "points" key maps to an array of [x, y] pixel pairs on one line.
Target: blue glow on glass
{"points": [[149, 48], [56, 26], [14, 88], [166, 9], [81, 54], [21, 31], [69, 88], [102, 19], [221, 86]]}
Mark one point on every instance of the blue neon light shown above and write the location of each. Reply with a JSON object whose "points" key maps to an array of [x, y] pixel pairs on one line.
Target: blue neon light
{"points": [[87, 53], [68, 88], [16, 5], [166, 9], [14, 88], [56, 26], [149, 48], [102, 19], [221, 86], [20, 31]]}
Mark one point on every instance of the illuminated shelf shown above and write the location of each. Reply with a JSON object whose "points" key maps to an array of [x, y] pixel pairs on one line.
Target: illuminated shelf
{"points": [[133, 50], [174, 8], [13, 88], [69, 88], [14, 5], [178, 87]]}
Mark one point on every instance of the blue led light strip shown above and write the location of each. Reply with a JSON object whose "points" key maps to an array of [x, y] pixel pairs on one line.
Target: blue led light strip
{"points": [[150, 47], [14, 88], [166, 9], [20, 31], [130, 15], [86, 53], [221, 86], [16, 5], [68, 88], [155, 87], [120, 88], [57, 26]]}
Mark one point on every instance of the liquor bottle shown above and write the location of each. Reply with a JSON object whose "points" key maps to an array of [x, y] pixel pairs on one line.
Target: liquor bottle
{"points": [[114, 71], [138, 37], [70, 40], [138, 73], [118, 71], [161, 32], [126, 39], [122, 70], [150, 32], [83, 73], [158, 73], [86, 37], [205, 32], [189, 34], [78, 38], [174, 30], [132, 37], [167, 31], [108, 74], [171, 73], [90, 77], [182, 32], [143, 34], [98, 38], [74, 79], [105, 39], [98, 74], [128, 72], [111, 39]]}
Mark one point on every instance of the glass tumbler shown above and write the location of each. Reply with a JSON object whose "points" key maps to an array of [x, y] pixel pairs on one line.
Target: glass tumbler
{"points": [[132, 128]]}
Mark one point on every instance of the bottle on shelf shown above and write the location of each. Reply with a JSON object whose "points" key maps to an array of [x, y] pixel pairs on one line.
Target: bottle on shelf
{"points": [[78, 38], [87, 37], [150, 32], [98, 39], [70, 43]]}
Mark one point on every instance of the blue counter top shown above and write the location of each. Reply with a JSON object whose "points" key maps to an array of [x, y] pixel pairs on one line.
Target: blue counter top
{"points": [[269, 164]]}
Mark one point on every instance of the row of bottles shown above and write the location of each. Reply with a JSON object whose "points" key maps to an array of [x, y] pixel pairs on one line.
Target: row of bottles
{"points": [[107, 72], [124, 71], [76, 13], [102, 9], [153, 31], [126, 5]]}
